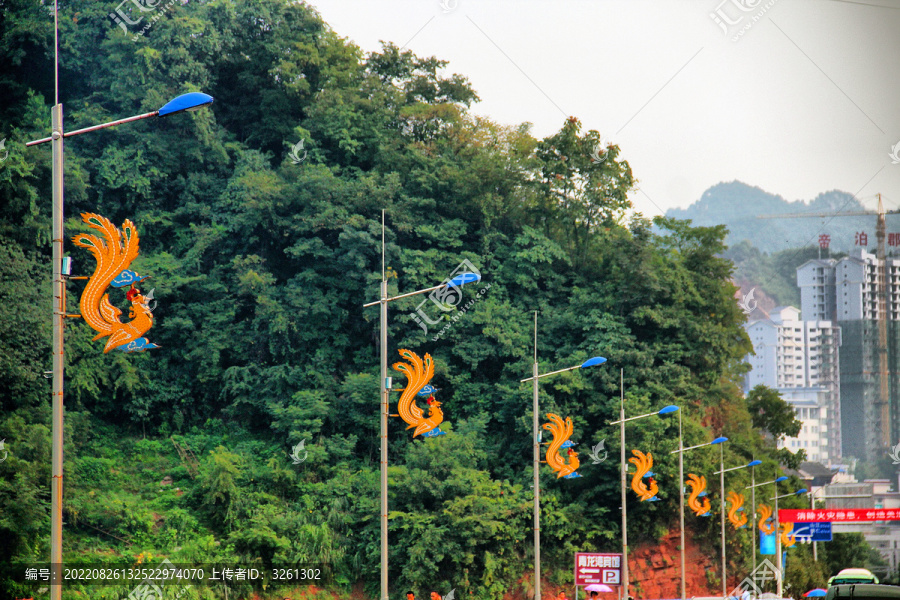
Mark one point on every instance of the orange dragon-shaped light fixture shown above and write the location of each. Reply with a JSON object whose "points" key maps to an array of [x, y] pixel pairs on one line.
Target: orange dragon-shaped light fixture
{"points": [[562, 431], [698, 487], [643, 463], [114, 251], [418, 373]]}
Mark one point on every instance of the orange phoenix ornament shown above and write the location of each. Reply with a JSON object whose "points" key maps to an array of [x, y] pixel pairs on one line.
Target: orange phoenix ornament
{"points": [[764, 513], [114, 256], [562, 431], [737, 502], [787, 538], [643, 463], [698, 485], [418, 373]]}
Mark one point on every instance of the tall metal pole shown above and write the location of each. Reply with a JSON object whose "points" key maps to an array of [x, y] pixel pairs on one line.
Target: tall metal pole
{"points": [[812, 505], [722, 510], [385, 390], [753, 527], [537, 474], [779, 575], [681, 501], [622, 457], [59, 315]]}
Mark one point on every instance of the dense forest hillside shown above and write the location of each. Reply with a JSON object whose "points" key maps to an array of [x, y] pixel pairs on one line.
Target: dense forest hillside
{"points": [[261, 254]]}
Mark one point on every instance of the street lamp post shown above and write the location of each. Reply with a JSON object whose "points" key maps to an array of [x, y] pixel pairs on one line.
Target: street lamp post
{"points": [[812, 505], [780, 581], [624, 470], [190, 101], [597, 360], [722, 513], [753, 485], [681, 450], [385, 386], [721, 472]]}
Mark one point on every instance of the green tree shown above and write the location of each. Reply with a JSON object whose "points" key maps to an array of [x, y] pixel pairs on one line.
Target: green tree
{"points": [[771, 413]]}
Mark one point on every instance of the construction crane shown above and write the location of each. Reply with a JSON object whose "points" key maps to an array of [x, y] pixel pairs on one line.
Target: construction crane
{"points": [[882, 290]]}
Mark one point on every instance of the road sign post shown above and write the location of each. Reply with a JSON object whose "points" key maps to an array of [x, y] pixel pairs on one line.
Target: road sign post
{"points": [[592, 568]]}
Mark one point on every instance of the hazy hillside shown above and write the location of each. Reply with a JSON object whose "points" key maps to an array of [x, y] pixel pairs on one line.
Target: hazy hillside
{"points": [[737, 205]]}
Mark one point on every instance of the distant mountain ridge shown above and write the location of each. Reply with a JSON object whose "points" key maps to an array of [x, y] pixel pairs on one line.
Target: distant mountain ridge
{"points": [[737, 205]]}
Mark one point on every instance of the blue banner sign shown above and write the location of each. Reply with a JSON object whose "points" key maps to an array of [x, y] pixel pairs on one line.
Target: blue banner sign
{"points": [[813, 532]]}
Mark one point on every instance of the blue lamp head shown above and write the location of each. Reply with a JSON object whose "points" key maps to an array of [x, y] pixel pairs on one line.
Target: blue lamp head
{"points": [[463, 279], [780, 479], [801, 491], [667, 409], [597, 360], [719, 440], [754, 463], [189, 101]]}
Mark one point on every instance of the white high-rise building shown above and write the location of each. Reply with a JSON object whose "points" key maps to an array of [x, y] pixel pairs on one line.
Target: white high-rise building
{"points": [[846, 292], [845, 289], [800, 360]]}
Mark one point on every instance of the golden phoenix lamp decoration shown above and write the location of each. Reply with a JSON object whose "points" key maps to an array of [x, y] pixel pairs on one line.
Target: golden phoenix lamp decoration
{"points": [[737, 503], [561, 431], [418, 373], [698, 487], [787, 537], [114, 251], [764, 514], [643, 463]]}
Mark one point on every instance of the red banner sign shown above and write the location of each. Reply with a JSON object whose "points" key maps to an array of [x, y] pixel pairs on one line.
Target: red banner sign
{"points": [[838, 515]]}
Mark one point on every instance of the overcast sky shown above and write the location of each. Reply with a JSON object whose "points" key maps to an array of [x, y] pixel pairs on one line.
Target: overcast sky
{"points": [[803, 99]]}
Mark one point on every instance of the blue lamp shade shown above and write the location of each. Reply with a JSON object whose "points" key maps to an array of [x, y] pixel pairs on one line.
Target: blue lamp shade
{"points": [[801, 491], [754, 463], [463, 279], [189, 101], [780, 479], [597, 360], [667, 409], [719, 440]]}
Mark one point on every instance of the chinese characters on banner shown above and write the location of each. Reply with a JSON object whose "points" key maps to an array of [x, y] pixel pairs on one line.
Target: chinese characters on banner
{"points": [[860, 239]]}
